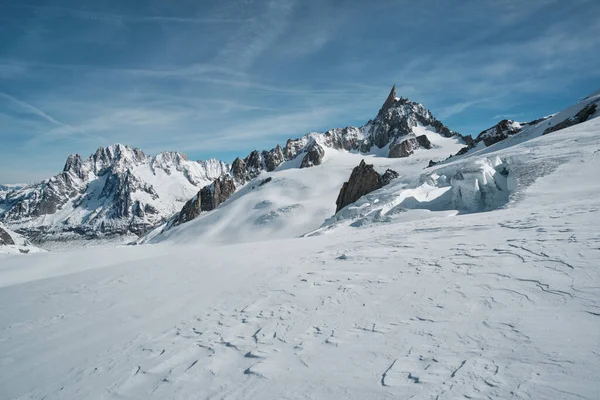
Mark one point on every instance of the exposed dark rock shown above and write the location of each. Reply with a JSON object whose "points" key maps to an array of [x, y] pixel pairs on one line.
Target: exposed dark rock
{"points": [[388, 176], [314, 156], [363, 180], [463, 151], [403, 149], [431, 163], [578, 118], [273, 158], [394, 122], [244, 170], [190, 210], [390, 99], [216, 193], [5, 238], [265, 181], [75, 164], [468, 139], [207, 199], [240, 171], [424, 142]]}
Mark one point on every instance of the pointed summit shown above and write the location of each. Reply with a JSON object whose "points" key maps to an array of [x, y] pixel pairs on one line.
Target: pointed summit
{"points": [[390, 99]]}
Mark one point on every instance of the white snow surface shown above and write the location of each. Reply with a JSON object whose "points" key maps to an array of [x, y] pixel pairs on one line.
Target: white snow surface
{"points": [[427, 304], [295, 201]]}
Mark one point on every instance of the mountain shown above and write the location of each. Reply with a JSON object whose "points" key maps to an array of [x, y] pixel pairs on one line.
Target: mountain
{"points": [[118, 190], [400, 128], [394, 133], [510, 133], [119, 193], [291, 201], [388, 302]]}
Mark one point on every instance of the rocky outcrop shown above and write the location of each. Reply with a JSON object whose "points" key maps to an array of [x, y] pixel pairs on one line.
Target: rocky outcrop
{"points": [[390, 99], [5, 238], [424, 142], [388, 176], [363, 180], [578, 118], [207, 199], [244, 170], [314, 156], [408, 146], [273, 158], [499, 132], [190, 210], [211, 196]]}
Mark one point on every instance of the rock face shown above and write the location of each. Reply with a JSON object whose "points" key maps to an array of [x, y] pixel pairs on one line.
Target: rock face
{"points": [[364, 179], [580, 117], [118, 190], [207, 199], [388, 176], [216, 193], [190, 210], [314, 156], [408, 146], [499, 132], [5, 238]]}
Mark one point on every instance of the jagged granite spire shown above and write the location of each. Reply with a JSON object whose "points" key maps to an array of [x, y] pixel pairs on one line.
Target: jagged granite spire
{"points": [[390, 99]]}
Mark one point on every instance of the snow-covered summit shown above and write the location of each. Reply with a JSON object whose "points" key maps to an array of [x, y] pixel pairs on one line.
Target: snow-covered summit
{"points": [[397, 122], [118, 190]]}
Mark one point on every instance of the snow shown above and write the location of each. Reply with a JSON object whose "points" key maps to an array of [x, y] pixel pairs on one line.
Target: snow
{"points": [[427, 304], [296, 201], [20, 244], [533, 131]]}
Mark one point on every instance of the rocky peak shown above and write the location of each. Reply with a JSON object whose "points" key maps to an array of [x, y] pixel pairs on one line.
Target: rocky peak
{"points": [[75, 165], [390, 99], [244, 170], [117, 156], [207, 199], [397, 118], [273, 158], [314, 155]]}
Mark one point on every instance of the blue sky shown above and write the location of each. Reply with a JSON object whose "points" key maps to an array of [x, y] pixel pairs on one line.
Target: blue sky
{"points": [[220, 78]]}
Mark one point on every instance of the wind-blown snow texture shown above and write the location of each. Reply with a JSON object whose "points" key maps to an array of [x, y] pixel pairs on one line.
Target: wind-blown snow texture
{"points": [[423, 304]]}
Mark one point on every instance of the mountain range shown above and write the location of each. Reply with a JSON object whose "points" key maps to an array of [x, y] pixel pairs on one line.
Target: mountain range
{"points": [[119, 193]]}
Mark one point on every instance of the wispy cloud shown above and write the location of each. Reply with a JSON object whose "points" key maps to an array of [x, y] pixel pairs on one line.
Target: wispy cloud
{"points": [[81, 13], [252, 38], [31, 109]]}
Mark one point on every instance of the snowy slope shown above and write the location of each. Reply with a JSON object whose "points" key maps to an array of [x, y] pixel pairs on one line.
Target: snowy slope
{"points": [[13, 243], [522, 132], [295, 201], [498, 304]]}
